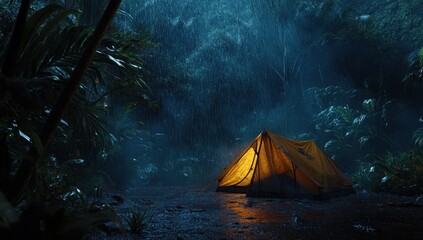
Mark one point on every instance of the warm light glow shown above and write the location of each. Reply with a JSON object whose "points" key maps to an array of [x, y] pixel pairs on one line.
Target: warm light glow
{"points": [[242, 172], [283, 167], [245, 213]]}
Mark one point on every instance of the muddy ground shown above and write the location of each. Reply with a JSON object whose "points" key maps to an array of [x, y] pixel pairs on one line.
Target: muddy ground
{"points": [[201, 213]]}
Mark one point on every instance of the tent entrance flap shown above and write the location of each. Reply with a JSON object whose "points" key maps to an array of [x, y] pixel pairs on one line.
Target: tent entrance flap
{"points": [[239, 176]]}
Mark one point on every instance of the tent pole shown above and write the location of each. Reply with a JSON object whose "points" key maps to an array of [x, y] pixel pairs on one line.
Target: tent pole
{"points": [[294, 169], [257, 161]]}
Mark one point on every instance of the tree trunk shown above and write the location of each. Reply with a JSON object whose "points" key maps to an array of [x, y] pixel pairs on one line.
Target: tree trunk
{"points": [[20, 180], [91, 11]]}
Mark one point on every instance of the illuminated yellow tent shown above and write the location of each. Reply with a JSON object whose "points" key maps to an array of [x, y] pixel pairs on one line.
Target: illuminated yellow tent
{"points": [[274, 166]]}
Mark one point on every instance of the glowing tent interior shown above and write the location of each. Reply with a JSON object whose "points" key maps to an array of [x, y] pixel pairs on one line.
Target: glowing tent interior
{"points": [[274, 166]]}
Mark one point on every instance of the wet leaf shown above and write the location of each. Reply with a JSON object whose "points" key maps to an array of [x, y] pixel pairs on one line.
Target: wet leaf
{"points": [[78, 161], [26, 128], [369, 105]]}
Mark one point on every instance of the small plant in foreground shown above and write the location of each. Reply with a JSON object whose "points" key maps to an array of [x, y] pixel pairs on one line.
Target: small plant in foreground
{"points": [[136, 220]]}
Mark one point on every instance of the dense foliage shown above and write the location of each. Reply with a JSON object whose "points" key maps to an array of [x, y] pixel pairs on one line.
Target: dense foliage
{"points": [[52, 49], [399, 173]]}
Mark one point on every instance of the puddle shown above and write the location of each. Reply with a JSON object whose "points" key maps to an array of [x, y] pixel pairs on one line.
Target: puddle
{"points": [[251, 215], [245, 210]]}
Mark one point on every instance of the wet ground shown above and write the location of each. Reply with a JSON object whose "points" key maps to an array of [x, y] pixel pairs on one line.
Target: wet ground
{"points": [[201, 213]]}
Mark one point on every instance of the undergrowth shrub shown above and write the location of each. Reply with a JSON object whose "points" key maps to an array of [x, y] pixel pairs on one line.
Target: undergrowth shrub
{"points": [[398, 173]]}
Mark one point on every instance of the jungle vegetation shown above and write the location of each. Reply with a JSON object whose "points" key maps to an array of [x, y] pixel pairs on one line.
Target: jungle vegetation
{"points": [[88, 98]]}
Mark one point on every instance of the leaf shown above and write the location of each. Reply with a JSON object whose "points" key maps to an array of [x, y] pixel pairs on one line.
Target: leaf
{"points": [[418, 137], [37, 19], [125, 13], [77, 161], [25, 126], [112, 59], [369, 105], [5, 162], [8, 214], [345, 113], [55, 21]]}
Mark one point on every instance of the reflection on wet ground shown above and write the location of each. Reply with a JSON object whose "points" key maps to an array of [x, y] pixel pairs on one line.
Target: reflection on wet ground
{"points": [[195, 213], [248, 211]]}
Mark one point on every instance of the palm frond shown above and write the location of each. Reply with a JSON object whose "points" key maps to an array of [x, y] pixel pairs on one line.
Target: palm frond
{"points": [[418, 137]]}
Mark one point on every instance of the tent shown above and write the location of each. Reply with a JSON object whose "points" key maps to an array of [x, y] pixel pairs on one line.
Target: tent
{"points": [[274, 166]]}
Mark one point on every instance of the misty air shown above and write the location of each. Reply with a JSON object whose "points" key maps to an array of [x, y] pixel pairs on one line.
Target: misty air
{"points": [[211, 119]]}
